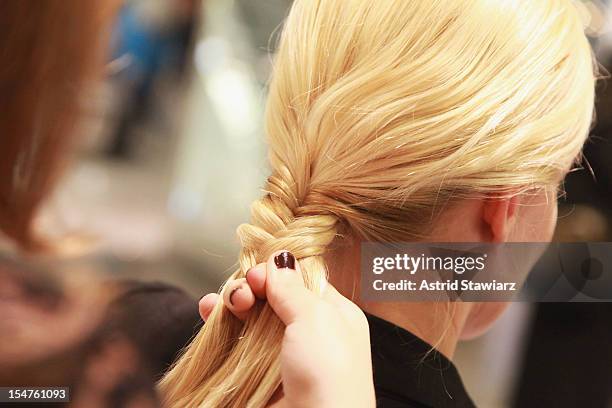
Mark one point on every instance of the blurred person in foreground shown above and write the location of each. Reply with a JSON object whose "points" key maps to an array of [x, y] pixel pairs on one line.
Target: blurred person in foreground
{"points": [[108, 342], [98, 338]]}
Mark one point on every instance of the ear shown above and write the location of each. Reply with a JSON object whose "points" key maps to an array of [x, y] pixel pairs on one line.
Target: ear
{"points": [[499, 216]]}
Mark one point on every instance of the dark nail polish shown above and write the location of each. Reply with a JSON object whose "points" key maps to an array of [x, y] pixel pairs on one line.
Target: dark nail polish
{"points": [[285, 260], [232, 294]]}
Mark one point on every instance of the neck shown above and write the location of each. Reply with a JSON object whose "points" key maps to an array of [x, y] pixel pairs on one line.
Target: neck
{"points": [[437, 323]]}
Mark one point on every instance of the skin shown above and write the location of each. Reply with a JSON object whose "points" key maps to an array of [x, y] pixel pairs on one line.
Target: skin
{"points": [[525, 217], [330, 324]]}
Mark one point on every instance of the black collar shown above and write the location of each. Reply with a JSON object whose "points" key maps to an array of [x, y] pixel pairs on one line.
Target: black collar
{"points": [[408, 372]]}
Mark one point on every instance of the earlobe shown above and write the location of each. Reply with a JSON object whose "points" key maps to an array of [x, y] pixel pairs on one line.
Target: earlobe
{"points": [[499, 216]]}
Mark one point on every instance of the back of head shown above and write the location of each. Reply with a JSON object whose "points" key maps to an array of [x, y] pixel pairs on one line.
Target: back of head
{"points": [[378, 113]]}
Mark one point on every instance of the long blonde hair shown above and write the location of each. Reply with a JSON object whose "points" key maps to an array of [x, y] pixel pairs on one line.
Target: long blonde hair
{"points": [[378, 112]]}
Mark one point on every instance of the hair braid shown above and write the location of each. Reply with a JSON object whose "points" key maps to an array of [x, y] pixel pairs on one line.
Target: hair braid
{"points": [[277, 222]]}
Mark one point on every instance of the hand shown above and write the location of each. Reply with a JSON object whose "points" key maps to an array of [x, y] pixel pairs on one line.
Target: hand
{"points": [[325, 354]]}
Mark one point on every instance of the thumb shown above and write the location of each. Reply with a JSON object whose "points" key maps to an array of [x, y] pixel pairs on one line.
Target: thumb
{"points": [[285, 288]]}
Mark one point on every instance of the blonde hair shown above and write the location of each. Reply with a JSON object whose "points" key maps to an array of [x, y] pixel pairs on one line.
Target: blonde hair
{"points": [[379, 111]]}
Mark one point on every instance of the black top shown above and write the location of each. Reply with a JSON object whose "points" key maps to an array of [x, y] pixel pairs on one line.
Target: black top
{"points": [[408, 372]]}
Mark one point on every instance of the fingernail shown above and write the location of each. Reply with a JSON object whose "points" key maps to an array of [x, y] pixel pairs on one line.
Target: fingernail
{"points": [[284, 260], [232, 294]]}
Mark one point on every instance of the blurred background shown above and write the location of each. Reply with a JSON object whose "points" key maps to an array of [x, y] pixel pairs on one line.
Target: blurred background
{"points": [[173, 154]]}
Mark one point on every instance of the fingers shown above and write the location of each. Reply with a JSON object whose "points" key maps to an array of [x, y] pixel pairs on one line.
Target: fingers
{"points": [[238, 297], [285, 288], [256, 278], [207, 304], [280, 281]]}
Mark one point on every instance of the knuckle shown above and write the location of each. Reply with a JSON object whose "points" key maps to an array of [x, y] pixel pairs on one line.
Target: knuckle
{"points": [[322, 308], [360, 319]]}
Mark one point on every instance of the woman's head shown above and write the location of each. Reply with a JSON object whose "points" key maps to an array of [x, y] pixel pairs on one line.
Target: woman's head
{"points": [[382, 114]]}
